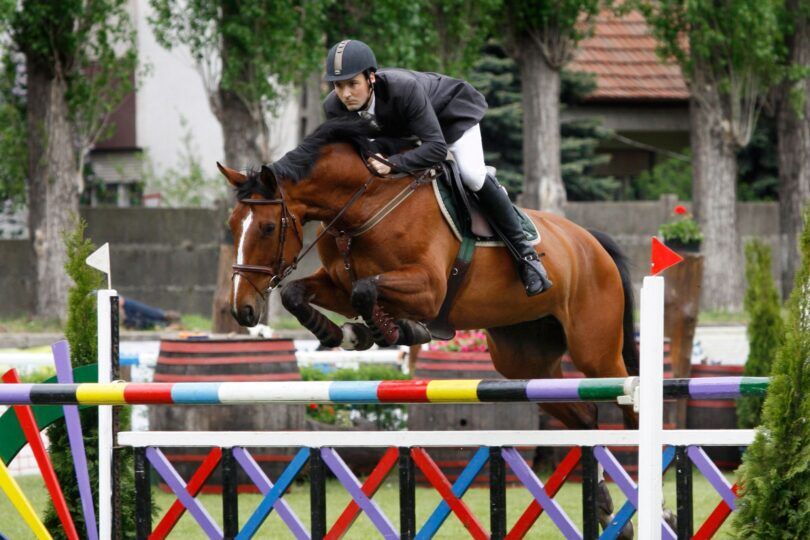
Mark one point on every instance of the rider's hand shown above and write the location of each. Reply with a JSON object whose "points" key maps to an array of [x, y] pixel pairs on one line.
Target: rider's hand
{"points": [[380, 167]]}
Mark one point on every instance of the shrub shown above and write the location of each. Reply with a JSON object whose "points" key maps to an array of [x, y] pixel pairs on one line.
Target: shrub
{"points": [[765, 326], [670, 176], [775, 475], [384, 417]]}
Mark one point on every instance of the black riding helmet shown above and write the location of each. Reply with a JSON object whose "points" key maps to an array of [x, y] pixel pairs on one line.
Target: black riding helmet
{"points": [[347, 59]]}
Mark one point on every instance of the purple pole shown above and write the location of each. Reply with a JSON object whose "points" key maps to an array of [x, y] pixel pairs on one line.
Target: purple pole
{"points": [[64, 375]]}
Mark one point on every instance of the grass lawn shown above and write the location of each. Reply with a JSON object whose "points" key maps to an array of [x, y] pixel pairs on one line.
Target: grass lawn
{"points": [[705, 499]]}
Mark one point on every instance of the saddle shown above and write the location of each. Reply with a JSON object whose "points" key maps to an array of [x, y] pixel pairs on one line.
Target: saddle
{"points": [[469, 214], [459, 205], [460, 208]]}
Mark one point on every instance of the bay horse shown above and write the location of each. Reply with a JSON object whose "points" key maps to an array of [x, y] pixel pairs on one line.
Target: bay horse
{"points": [[394, 273]]}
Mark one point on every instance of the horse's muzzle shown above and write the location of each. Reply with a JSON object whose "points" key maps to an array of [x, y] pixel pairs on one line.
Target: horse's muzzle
{"points": [[246, 315]]}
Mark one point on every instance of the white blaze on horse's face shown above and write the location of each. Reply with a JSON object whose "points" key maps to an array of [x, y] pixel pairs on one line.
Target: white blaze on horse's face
{"points": [[240, 253]]}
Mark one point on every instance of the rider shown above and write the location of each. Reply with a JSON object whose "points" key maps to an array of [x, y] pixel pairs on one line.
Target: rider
{"points": [[442, 113]]}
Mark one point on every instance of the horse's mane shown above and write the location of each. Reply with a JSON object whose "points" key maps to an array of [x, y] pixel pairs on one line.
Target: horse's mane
{"points": [[296, 164]]}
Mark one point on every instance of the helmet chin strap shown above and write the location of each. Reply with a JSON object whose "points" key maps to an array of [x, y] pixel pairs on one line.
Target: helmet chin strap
{"points": [[368, 100]]}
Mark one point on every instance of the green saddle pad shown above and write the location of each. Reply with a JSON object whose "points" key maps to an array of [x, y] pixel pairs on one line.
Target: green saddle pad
{"points": [[447, 205]]}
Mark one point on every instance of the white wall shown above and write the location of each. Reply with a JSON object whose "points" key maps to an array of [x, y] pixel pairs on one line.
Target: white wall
{"points": [[173, 89]]}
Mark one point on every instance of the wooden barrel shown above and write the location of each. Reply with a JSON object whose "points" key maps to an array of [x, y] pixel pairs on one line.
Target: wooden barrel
{"points": [[465, 417], [210, 360], [610, 417], [715, 414]]}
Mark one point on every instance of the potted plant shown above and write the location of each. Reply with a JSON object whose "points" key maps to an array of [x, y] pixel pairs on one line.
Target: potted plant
{"points": [[464, 341], [682, 233]]}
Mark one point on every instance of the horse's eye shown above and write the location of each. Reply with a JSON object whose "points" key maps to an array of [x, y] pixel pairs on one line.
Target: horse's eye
{"points": [[268, 228]]}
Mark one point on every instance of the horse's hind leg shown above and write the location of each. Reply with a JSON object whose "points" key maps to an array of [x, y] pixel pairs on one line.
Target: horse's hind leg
{"points": [[595, 340], [533, 350]]}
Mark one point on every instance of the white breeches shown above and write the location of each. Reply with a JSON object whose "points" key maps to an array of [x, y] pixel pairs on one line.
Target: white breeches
{"points": [[469, 155]]}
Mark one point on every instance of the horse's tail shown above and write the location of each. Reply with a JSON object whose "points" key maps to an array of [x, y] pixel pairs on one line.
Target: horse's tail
{"points": [[629, 352]]}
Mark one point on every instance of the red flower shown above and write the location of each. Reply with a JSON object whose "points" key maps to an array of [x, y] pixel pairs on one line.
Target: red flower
{"points": [[680, 210], [313, 406]]}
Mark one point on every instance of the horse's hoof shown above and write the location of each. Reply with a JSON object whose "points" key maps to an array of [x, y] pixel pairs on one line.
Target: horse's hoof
{"points": [[604, 502], [605, 508], [412, 333], [627, 532], [670, 517], [356, 337]]}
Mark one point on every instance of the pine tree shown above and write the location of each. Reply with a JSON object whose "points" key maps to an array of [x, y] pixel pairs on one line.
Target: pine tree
{"points": [[80, 331], [775, 476], [765, 326], [497, 77]]}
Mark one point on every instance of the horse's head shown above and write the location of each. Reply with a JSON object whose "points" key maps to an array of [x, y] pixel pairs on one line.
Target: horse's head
{"points": [[267, 237]]}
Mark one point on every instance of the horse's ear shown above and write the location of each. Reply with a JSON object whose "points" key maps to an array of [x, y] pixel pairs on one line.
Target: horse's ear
{"points": [[268, 178], [235, 178]]}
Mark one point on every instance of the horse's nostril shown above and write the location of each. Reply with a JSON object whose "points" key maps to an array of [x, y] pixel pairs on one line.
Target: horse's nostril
{"points": [[247, 313]]}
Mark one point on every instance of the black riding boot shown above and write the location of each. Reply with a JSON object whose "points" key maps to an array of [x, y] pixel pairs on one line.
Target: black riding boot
{"points": [[496, 204]]}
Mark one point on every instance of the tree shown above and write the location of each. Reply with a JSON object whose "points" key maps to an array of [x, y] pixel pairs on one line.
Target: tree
{"points": [[775, 475], [757, 163], [428, 35], [497, 77], [78, 60], [765, 326], [728, 52], [248, 53], [793, 128], [12, 134], [542, 36], [460, 29]]}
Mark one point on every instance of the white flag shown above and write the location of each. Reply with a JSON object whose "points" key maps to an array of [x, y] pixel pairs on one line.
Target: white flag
{"points": [[100, 260]]}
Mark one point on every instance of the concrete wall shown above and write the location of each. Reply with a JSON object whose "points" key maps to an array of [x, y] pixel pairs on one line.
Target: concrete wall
{"points": [[164, 257], [168, 257], [633, 223]]}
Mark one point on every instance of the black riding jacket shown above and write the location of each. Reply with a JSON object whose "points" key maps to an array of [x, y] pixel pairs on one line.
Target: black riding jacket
{"points": [[435, 108]]}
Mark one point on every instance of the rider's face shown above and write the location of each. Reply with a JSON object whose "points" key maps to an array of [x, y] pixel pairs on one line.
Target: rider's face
{"points": [[355, 92]]}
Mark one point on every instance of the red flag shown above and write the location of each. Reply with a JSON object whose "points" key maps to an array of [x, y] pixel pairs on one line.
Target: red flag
{"points": [[662, 257]]}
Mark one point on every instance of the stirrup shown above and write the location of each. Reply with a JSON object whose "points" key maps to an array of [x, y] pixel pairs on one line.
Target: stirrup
{"points": [[539, 270]]}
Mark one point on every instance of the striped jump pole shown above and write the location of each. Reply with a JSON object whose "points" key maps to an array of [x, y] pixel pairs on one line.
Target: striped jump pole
{"points": [[372, 392]]}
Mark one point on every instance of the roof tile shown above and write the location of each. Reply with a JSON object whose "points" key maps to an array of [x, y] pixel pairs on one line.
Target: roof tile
{"points": [[621, 54]]}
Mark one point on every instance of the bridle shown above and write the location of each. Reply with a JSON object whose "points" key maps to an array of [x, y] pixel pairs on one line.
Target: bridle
{"points": [[281, 270], [288, 220]]}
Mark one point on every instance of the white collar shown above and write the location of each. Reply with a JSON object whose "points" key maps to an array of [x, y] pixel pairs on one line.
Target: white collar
{"points": [[370, 108]]}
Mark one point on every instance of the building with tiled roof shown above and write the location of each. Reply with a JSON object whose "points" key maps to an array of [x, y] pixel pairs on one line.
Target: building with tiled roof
{"points": [[621, 54], [640, 97]]}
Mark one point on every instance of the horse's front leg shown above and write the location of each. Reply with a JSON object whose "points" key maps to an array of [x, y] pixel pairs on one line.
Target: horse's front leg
{"points": [[411, 291], [319, 289]]}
